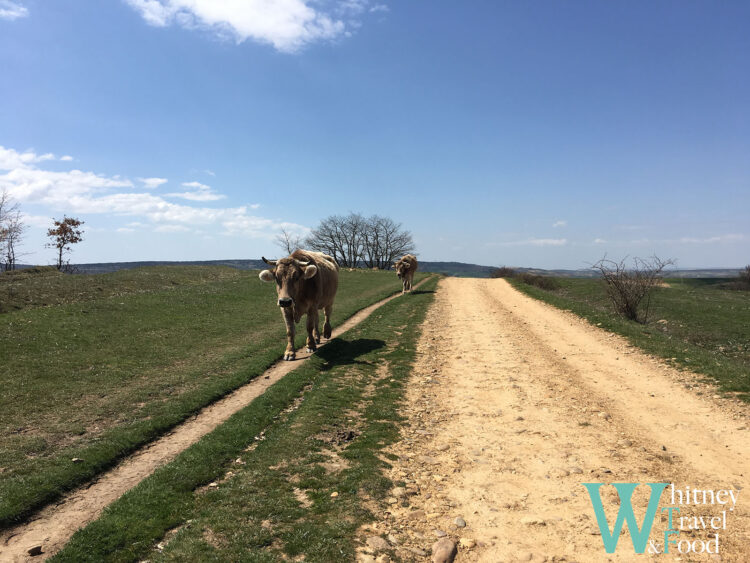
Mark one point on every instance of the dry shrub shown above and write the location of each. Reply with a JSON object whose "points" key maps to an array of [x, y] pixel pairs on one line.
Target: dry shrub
{"points": [[741, 282], [630, 289], [542, 282], [503, 272]]}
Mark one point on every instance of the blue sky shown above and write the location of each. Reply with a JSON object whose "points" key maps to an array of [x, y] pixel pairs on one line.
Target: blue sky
{"points": [[524, 133]]}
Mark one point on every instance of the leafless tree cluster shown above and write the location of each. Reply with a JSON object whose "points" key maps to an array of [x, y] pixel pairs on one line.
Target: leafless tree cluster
{"points": [[354, 240], [288, 241], [745, 275], [11, 232], [629, 287]]}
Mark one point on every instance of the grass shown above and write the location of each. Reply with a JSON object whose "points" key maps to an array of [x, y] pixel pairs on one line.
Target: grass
{"points": [[99, 365], [294, 474], [695, 324]]}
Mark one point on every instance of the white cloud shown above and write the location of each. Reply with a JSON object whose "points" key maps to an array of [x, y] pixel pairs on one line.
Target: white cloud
{"points": [[201, 192], [40, 221], [537, 242], [66, 158], [196, 185], [599, 241], [78, 193], [12, 10], [288, 25], [380, 8], [11, 159], [557, 224], [152, 183], [708, 240], [531, 242], [56, 188], [171, 229], [255, 206]]}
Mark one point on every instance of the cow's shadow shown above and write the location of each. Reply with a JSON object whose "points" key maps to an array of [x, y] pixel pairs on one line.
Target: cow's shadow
{"points": [[422, 291], [340, 352]]}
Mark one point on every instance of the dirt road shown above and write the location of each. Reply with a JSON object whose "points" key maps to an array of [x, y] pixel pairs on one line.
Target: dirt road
{"points": [[514, 404]]}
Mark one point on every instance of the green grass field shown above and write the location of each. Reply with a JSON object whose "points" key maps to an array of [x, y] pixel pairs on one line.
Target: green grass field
{"points": [[294, 474], [695, 324], [96, 366]]}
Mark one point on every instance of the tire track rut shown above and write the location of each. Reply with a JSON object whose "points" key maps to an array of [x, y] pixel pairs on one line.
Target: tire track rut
{"points": [[54, 525]]}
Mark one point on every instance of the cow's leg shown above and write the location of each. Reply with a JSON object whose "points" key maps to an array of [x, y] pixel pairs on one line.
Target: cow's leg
{"points": [[327, 326], [403, 283], [316, 328], [290, 353], [312, 323]]}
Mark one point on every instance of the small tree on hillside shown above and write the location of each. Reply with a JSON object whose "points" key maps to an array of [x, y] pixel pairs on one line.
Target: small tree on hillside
{"points": [[627, 288], [64, 234], [11, 232]]}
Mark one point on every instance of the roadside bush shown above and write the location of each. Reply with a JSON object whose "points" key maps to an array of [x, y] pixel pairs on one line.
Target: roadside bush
{"points": [[630, 289], [503, 272], [740, 283], [542, 282]]}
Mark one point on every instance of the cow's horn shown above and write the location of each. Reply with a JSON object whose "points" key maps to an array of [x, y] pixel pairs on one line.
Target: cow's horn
{"points": [[269, 262], [302, 264]]}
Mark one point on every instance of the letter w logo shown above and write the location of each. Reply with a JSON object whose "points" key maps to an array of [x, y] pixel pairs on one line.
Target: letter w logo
{"points": [[639, 535]]}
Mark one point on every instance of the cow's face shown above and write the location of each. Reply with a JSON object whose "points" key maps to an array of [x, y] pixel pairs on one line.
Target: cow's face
{"points": [[289, 275], [402, 268]]}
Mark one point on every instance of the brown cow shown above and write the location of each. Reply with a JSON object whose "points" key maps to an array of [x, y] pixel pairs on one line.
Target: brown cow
{"points": [[405, 268], [305, 281]]}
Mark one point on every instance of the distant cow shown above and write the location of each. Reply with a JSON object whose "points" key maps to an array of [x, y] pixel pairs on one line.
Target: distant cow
{"points": [[405, 268], [305, 281]]}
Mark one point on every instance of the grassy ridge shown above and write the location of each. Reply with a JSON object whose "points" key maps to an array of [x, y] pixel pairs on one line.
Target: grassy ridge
{"points": [[694, 324], [124, 357], [320, 429]]}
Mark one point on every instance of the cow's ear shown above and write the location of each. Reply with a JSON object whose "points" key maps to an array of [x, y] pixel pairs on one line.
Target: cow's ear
{"points": [[407, 265], [310, 271], [266, 276]]}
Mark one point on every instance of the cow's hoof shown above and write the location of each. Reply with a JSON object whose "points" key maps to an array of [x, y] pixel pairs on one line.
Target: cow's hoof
{"points": [[289, 356], [311, 350]]}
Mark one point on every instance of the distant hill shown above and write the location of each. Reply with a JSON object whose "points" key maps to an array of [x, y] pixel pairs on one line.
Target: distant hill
{"points": [[455, 269]]}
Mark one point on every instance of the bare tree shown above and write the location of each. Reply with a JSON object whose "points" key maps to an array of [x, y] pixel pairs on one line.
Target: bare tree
{"points": [[353, 240], [14, 231], [288, 241], [11, 232], [64, 234], [340, 236], [384, 242], [628, 287]]}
